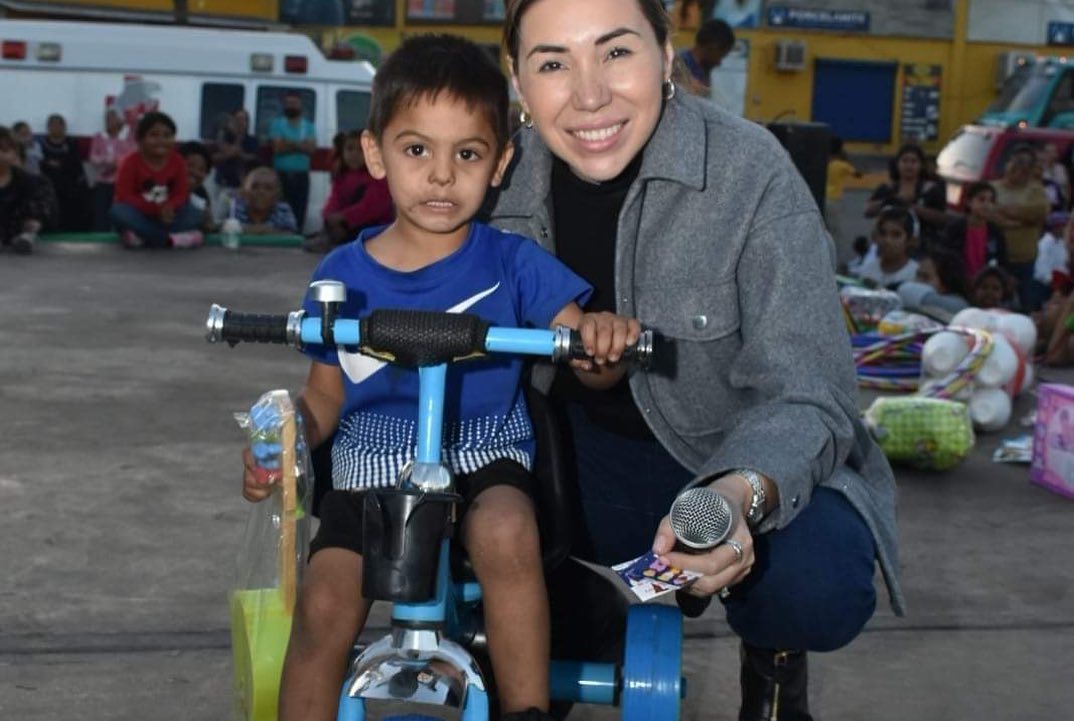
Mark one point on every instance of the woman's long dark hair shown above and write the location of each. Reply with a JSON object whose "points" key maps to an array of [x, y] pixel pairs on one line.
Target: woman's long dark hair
{"points": [[652, 9], [893, 164]]}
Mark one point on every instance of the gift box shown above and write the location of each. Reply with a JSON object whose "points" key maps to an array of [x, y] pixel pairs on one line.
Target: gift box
{"points": [[1053, 439]]}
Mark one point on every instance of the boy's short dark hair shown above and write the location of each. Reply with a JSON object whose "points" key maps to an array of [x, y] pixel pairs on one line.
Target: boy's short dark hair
{"points": [[901, 216], [19, 125], [425, 66], [950, 269], [715, 33], [994, 271], [147, 121], [193, 147], [975, 189]]}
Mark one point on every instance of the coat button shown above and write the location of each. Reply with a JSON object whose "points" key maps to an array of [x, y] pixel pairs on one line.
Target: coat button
{"points": [[794, 502], [700, 322]]}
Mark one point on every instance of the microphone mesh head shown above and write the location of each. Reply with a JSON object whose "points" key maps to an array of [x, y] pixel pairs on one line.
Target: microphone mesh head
{"points": [[700, 518]]}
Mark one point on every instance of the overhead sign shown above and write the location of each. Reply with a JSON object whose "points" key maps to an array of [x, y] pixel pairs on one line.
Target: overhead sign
{"points": [[1060, 33], [817, 19]]}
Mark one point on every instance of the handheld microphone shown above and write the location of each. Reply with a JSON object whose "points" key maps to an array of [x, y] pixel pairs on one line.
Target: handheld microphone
{"points": [[700, 519]]}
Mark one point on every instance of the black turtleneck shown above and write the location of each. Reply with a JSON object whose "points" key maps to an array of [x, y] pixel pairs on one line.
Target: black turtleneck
{"points": [[586, 223]]}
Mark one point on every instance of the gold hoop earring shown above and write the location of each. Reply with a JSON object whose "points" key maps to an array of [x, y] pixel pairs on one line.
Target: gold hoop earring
{"points": [[525, 118], [669, 89]]}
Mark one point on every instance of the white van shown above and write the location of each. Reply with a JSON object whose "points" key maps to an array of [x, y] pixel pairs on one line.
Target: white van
{"points": [[198, 76]]}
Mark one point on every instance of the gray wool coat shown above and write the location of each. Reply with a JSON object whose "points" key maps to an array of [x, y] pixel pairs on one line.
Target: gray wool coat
{"points": [[721, 248]]}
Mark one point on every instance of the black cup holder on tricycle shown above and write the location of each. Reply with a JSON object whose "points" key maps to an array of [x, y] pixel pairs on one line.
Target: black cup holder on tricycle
{"points": [[401, 533]]}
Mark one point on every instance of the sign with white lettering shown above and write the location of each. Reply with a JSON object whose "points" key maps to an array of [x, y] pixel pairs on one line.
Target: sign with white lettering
{"points": [[780, 16]]}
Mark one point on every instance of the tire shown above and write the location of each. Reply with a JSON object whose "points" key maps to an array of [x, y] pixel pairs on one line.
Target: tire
{"points": [[652, 664]]}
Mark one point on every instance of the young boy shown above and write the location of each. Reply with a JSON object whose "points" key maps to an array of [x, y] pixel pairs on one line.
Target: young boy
{"points": [[26, 201], [975, 238], [896, 231], [198, 163], [438, 134], [152, 205]]}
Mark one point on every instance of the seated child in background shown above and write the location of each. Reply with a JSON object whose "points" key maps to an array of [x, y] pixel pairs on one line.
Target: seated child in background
{"points": [[1054, 318], [975, 238], [862, 249], [940, 288], [152, 206], [32, 153], [258, 206], [27, 203], [357, 201], [1051, 269], [894, 234], [198, 162], [992, 288], [438, 132]]}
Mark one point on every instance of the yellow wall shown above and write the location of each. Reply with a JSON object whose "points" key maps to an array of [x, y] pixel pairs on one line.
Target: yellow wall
{"points": [[789, 95], [968, 81], [263, 9]]}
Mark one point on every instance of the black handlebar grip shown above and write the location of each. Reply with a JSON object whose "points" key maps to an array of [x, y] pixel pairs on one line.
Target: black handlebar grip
{"points": [[253, 328], [640, 354]]}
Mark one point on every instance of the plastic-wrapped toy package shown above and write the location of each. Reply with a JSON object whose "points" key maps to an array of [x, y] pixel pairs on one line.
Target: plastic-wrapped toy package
{"points": [[274, 547], [984, 359], [866, 307], [929, 433]]}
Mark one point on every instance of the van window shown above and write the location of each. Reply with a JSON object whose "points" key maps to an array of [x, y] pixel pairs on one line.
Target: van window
{"points": [[218, 102], [270, 106], [352, 110], [1062, 99]]}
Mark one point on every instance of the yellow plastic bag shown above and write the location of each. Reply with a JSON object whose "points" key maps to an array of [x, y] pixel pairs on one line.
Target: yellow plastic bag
{"points": [[275, 544]]}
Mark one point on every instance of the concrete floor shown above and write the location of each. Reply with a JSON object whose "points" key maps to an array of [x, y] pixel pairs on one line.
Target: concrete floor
{"points": [[120, 478]]}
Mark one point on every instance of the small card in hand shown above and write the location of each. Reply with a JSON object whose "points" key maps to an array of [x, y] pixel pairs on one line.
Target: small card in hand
{"points": [[648, 577]]}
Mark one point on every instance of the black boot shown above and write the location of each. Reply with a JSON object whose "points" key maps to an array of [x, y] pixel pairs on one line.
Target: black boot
{"points": [[774, 685]]}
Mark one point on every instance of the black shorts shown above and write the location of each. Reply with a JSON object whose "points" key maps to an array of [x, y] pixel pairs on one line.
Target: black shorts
{"points": [[341, 511]]}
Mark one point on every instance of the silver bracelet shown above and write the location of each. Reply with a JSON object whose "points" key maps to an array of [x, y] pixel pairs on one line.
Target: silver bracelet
{"points": [[756, 512]]}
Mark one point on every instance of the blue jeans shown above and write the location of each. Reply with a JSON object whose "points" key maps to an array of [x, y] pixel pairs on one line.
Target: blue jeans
{"points": [[151, 230], [102, 203], [811, 586], [296, 193], [1031, 292]]}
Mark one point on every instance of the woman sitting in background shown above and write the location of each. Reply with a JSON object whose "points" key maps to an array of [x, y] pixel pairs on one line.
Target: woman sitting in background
{"points": [[258, 207]]}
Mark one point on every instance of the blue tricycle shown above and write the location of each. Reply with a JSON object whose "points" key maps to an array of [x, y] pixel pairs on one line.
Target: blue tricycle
{"points": [[426, 658]]}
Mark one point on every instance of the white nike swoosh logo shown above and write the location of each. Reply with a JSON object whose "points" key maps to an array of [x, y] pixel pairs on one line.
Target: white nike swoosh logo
{"points": [[359, 368]]}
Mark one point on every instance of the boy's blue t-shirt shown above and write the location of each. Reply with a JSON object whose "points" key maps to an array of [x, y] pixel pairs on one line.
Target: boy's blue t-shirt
{"points": [[506, 279]]}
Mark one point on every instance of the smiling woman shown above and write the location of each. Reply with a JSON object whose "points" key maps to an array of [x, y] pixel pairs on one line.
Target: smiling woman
{"points": [[696, 222]]}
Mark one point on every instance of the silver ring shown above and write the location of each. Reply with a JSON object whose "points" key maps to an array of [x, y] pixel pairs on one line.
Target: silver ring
{"points": [[737, 547], [724, 592]]}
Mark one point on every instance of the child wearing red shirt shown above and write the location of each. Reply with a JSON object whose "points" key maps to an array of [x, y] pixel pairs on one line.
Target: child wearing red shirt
{"points": [[357, 201], [152, 206], [976, 238]]}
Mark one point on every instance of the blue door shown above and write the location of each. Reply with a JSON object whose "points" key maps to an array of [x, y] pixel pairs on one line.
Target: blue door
{"points": [[856, 98]]}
